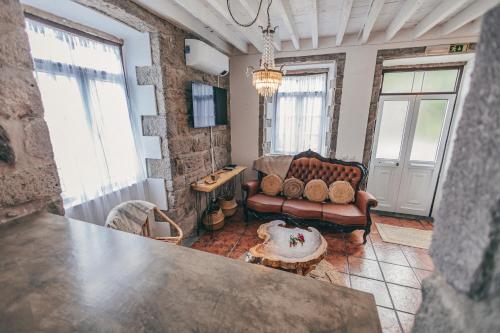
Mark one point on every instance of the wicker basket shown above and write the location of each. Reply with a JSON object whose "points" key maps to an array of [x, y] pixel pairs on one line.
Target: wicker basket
{"points": [[214, 220], [228, 207]]}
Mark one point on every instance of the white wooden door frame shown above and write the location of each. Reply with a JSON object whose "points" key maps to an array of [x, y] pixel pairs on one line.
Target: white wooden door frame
{"points": [[399, 168], [393, 167], [424, 207]]}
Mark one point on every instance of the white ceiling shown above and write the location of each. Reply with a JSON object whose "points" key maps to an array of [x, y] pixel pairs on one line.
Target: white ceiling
{"points": [[300, 19]]}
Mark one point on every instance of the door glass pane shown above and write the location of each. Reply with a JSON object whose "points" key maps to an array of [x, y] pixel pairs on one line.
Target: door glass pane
{"points": [[430, 120], [391, 130], [440, 80], [397, 82]]}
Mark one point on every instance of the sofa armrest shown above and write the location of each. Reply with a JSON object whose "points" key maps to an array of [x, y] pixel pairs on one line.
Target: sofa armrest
{"points": [[251, 188], [365, 200]]}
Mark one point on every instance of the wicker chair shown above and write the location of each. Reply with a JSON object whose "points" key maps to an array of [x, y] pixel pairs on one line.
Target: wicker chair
{"points": [[143, 209]]}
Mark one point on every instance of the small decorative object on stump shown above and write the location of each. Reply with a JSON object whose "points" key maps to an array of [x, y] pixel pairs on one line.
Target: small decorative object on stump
{"points": [[276, 250], [294, 240]]}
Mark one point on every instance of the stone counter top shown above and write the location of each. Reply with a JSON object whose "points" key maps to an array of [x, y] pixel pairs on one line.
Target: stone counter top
{"points": [[60, 275]]}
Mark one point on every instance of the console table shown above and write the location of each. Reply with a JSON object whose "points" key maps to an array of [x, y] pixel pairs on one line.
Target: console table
{"points": [[64, 275], [201, 187]]}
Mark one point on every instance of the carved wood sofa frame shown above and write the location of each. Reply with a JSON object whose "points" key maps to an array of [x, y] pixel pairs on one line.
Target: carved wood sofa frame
{"points": [[302, 222]]}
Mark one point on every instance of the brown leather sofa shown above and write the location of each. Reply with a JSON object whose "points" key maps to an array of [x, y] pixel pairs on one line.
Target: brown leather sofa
{"points": [[306, 166]]}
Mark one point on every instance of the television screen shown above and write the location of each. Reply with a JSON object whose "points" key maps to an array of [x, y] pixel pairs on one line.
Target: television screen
{"points": [[209, 105], [220, 106]]}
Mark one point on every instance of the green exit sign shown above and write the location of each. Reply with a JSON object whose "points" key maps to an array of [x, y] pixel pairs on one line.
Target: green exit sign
{"points": [[458, 48]]}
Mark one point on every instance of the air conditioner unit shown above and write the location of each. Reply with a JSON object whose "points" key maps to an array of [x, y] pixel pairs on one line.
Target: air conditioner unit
{"points": [[205, 58]]}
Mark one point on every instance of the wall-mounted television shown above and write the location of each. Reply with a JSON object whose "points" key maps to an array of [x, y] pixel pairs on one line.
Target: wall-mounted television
{"points": [[208, 105]]}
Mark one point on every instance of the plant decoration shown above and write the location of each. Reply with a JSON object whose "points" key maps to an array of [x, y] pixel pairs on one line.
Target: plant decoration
{"points": [[227, 191], [213, 206], [294, 240]]}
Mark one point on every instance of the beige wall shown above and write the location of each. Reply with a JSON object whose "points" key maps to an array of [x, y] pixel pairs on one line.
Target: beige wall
{"points": [[356, 95]]}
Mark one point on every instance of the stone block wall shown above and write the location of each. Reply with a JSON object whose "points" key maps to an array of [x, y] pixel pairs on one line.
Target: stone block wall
{"points": [[185, 150], [464, 294], [28, 174]]}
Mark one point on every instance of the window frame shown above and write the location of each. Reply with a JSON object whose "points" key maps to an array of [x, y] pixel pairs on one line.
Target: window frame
{"points": [[323, 112], [460, 69], [72, 30]]}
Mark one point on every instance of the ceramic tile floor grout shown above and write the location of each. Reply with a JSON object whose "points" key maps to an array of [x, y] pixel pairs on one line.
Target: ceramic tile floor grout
{"points": [[350, 243], [388, 292]]}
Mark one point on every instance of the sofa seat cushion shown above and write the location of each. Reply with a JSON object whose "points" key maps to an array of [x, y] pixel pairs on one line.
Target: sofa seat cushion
{"points": [[345, 214], [265, 204], [302, 208]]}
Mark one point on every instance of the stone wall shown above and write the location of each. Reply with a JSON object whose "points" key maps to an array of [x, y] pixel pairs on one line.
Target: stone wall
{"points": [[28, 175], [464, 294], [185, 150]]}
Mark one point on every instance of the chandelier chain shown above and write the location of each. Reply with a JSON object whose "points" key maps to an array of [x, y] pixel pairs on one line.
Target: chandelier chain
{"points": [[267, 78], [246, 25]]}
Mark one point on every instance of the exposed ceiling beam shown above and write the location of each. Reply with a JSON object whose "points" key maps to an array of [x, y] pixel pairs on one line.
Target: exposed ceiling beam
{"points": [[213, 22], [314, 23], [283, 8], [437, 15], [476, 25], [375, 9], [251, 33], [344, 19], [467, 15], [251, 11], [406, 11], [173, 13]]}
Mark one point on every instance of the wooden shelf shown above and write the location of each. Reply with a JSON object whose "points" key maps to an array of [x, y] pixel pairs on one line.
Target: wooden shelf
{"points": [[224, 177]]}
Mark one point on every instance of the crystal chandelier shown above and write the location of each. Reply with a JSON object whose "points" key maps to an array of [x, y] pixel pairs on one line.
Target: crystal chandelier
{"points": [[267, 78]]}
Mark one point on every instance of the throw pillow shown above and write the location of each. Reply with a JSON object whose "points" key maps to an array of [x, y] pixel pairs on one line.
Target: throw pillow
{"points": [[271, 185], [316, 190], [293, 188], [341, 192]]}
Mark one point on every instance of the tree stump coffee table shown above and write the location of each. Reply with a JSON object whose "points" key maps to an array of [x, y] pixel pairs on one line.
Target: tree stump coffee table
{"points": [[277, 252]]}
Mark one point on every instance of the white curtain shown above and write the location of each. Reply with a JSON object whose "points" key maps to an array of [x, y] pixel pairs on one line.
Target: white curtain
{"points": [[299, 120], [203, 105], [83, 90]]}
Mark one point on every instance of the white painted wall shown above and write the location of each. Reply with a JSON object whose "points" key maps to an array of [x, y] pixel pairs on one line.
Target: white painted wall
{"points": [[462, 94], [356, 96], [355, 103], [244, 103]]}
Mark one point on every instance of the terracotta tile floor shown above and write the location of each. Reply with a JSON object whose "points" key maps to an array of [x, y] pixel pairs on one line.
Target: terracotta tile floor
{"points": [[393, 273]]}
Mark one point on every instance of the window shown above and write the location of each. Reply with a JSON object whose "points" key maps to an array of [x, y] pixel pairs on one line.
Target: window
{"points": [[83, 91], [299, 114], [428, 81]]}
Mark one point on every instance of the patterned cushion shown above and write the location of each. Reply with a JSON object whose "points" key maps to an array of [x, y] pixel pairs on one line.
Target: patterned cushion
{"points": [[316, 190], [341, 192], [271, 185], [293, 188]]}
